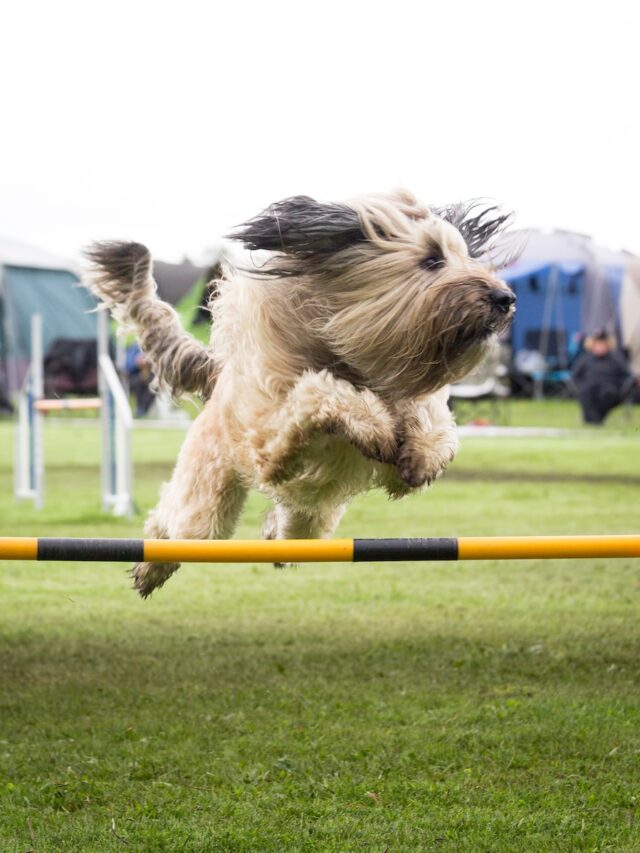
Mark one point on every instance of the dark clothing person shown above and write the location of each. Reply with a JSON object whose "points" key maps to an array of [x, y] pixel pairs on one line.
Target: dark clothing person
{"points": [[140, 377], [5, 404], [602, 380]]}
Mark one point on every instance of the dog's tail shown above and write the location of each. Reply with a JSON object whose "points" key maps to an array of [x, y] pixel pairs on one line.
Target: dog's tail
{"points": [[120, 274]]}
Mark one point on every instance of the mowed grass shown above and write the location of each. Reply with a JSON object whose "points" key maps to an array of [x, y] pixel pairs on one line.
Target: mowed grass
{"points": [[401, 707]]}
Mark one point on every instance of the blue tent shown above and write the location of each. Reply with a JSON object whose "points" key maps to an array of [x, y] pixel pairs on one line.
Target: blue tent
{"points": [[550, 305], [566, 286]]}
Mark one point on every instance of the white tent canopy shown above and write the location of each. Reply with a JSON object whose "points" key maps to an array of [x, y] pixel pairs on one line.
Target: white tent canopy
{"points": [[15, 254], [34, 281]]}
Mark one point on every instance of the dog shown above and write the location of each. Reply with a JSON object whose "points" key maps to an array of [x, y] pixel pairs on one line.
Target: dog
{"points": [[329, 363]]}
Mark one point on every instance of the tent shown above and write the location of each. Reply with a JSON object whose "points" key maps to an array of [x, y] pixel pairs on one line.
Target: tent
{"points": [[193, 307], [33, 281], [193, 312], [630, 313], [176, 280], [566, 287]]}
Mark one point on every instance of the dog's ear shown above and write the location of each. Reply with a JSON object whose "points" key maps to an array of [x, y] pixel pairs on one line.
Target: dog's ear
{"points": [[478, 222], [302, 228]]}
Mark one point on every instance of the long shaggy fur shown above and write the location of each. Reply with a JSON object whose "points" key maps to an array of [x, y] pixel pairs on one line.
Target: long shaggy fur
{"points": [[329, 361]]}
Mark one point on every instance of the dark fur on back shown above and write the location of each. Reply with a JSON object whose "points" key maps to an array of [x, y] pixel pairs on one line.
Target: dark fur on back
{"points": [[302, 229]]}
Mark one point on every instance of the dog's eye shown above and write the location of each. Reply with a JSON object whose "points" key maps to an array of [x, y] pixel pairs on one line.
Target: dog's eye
{"points": [[433, 262]]}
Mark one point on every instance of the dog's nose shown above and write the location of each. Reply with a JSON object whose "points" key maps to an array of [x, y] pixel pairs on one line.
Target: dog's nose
{"points": [[502, 299]]}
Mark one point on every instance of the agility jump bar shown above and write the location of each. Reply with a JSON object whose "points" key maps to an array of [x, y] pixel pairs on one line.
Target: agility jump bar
{"points": [[318, 550]]}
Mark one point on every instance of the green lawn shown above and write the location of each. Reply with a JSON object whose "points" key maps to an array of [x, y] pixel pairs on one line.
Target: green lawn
{"points": [[558, 413], [406, 707]]}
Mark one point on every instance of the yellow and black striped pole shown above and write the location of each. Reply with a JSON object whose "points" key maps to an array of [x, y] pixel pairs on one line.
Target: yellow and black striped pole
{"points": [[318, 550]]}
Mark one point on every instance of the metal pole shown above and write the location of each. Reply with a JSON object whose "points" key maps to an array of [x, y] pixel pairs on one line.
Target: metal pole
{"points": [[550, 296], [105, 414], [37, 393], [120, 424], [22, 463]]}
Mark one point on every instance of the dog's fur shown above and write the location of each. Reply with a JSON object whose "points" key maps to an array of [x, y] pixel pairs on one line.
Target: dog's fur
{"points": [[329, 360]]}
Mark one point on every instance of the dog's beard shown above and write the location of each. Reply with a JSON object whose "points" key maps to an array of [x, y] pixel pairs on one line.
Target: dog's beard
{"points": [[408, 358], [406, 335]]}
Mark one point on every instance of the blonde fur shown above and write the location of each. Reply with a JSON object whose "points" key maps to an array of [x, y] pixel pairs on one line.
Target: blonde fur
{"points": [[328, 365]]}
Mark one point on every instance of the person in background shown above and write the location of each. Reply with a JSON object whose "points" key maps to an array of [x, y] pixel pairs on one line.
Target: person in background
{"points": [[601, 377], [140, 376]]}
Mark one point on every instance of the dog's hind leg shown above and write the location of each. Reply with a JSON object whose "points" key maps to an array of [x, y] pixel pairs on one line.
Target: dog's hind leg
{"points": [[288, 522], [211, 514], [150, 576], [203, 500]]}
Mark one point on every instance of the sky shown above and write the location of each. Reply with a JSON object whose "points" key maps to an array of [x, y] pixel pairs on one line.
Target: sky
{"points": [[171, 123]]}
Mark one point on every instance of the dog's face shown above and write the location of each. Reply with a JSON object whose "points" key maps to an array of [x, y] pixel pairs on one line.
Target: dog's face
{"points": [[396, 291]]}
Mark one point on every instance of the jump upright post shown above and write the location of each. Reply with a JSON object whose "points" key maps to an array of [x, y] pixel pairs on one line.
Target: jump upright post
{"points": [[319, 550], [28, 468], [116, 468]]}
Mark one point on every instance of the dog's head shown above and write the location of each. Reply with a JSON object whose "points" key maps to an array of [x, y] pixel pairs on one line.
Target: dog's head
{"points": [[402, 295]]}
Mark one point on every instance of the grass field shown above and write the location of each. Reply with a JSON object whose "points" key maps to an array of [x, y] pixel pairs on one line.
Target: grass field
{"points": [[406, 707]]}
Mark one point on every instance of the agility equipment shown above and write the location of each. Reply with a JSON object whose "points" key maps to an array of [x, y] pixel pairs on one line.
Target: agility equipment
{"points": [[64, 404], [318, 550], [116, 468]]}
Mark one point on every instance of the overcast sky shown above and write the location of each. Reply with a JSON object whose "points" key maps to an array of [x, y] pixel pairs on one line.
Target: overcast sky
{"points": [[170, 123]]}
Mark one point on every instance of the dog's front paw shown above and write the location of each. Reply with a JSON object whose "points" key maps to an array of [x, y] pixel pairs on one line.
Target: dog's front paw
{"points": [[419, 469], [414, 472]]}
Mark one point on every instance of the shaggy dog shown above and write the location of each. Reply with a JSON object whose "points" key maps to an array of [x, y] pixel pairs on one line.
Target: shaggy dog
{"points": [[329, 360]]}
